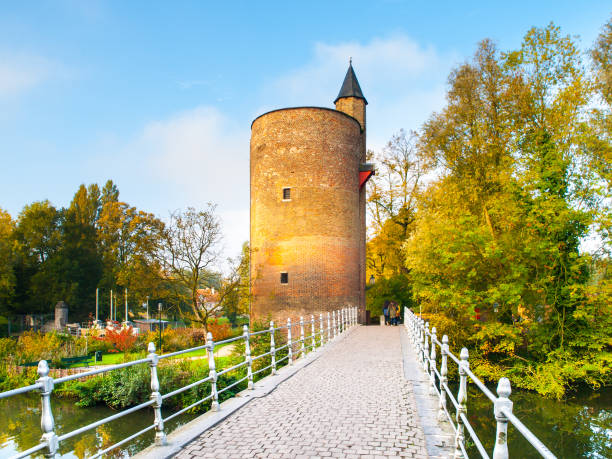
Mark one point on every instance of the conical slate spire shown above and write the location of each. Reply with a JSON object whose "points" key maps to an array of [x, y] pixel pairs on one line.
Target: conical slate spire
{"points": [[350, 86]]}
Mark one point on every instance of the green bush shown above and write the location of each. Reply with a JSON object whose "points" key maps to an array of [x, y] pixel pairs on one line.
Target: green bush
{"points": [[396, 288], [120, 389]]}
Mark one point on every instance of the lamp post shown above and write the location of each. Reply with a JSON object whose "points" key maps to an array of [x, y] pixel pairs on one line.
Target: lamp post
{"points": [[147, 307], [159, 308], [372, 281]]}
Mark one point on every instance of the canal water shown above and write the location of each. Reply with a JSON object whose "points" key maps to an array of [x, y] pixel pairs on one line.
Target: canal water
{"points": [[20, 427], [580, 427], [576, 428]]}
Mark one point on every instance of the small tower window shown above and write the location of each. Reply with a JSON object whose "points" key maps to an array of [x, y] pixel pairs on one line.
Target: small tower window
{"points": [[284, 278], [286, 194]]}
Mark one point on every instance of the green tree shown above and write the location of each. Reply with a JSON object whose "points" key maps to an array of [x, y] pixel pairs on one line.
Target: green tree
{"points": [[395, 288], [500, 230], [38, 231], [392, 198], [237, 292], [128, 240], [7, 261], [598, 139], [37, 238]]}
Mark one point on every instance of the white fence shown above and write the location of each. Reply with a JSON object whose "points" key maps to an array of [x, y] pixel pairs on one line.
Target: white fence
{"points": [[421, 338], [313, 333]]}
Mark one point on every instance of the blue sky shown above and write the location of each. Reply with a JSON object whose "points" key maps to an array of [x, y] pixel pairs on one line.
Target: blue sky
{"points": [[159, 96]]}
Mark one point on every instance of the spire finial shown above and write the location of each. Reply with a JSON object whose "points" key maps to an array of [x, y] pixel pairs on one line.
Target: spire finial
{"points": [[350, 86]]}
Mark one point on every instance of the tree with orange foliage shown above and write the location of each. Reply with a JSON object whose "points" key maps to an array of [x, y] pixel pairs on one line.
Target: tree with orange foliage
{"points": [[122, 340]]}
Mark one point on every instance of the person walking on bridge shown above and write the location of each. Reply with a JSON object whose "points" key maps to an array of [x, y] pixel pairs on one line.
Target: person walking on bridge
{"points": [[392, 313], [386, 312]]}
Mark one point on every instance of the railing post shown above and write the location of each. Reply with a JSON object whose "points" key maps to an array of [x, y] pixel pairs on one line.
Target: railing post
{"points": [[426, 348], [419, 339], [413, 329], [289, 343], [160, 436], [321, 330], [337, 330], [312, 332], [423, 342], [333, 324], [212, 372], [47, 423], [443, 379], [272, 348], [432, 363], [503, 402], [302, 347], [462, 402], [329, 330], [247, 356]]}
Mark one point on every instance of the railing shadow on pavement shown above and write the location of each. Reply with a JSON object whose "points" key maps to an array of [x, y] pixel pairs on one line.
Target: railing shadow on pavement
{"points": [[421, 338], [313, 333]]}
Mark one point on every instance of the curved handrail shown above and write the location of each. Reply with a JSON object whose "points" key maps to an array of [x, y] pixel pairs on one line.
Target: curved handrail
{"points": [[421, 337], [314, 337]]}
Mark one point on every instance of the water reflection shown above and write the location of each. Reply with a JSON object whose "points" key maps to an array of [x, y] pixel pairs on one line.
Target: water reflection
{"points": [[20, 427], [580, 427], [577, 428]]}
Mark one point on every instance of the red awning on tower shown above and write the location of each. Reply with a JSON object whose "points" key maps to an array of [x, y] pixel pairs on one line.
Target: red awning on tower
{"points": [[364, 177], [365, 172]]}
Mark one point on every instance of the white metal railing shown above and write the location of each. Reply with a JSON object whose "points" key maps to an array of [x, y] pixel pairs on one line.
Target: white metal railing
{"points": [[336, 323], [421, 338]]}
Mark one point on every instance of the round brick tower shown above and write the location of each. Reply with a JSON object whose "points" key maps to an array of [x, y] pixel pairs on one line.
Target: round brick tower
{"points": [[308, 207]]}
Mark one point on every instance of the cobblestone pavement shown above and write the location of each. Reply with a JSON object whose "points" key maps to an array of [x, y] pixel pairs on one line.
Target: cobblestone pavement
{"points": [[353, 402]]}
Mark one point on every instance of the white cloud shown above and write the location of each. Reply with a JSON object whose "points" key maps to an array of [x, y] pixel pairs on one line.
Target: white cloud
{"points": [[21, 72], [201, 155], [201, 152], [189, 159], [402, 80]]}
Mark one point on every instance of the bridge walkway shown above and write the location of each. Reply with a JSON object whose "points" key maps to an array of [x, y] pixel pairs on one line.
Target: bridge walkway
{"points": [[352, 402]]}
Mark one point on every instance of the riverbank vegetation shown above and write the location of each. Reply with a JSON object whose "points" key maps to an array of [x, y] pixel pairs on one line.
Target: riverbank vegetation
{"points": [[102, 245], [498, 212], [122, 388], [19, 356]]}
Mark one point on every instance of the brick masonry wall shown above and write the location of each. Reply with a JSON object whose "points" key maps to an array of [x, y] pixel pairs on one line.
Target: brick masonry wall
{"points": [[315, 237]]}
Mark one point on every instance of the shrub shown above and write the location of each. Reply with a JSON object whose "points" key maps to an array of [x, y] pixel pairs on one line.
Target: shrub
{"points": [[220, 331], [34, 346], [127, 387], [8, 346], [123, 340]]}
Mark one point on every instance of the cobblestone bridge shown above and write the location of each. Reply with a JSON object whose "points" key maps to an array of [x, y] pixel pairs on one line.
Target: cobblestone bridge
{"points": [[353, 400], [349, 392]]}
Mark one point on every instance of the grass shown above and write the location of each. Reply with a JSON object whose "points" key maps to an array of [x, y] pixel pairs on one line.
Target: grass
{"points": [[115, 358]]}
